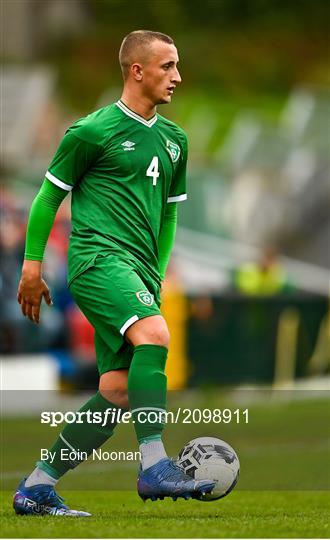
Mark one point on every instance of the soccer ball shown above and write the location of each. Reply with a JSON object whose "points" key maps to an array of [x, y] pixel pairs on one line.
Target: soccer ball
{"points": [[207, 458]]}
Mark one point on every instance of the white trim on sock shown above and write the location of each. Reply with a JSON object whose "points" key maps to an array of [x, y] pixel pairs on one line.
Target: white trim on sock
{"points": [[151, 453], [38, 476]]}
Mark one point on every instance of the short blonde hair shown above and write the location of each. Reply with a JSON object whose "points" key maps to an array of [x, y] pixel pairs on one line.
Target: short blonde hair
{"points": [[135, 41]]}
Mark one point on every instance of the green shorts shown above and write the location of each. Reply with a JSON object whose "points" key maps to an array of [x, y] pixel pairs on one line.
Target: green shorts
{"points": [[113, 295]]}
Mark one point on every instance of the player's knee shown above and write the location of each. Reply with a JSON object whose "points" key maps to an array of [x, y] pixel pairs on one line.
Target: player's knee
{"points": [[150, 330], [159, 336]]}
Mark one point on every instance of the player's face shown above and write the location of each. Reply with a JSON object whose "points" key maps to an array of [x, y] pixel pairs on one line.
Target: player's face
{"points": [[160, 73]]}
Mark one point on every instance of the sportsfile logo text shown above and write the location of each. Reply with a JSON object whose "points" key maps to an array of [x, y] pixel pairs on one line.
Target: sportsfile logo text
{"points": [[112, 415]]}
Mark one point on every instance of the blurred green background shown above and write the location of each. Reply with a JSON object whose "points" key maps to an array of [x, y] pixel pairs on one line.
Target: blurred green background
{"points": [[233, 48]]}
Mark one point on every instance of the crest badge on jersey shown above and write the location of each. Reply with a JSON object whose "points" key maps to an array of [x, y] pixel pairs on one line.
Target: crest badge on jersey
{"points": [[174, 150], [145, 297]]}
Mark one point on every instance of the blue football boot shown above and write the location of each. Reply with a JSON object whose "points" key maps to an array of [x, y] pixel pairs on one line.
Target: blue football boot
{"points": [[165, 479], [41, 500]]}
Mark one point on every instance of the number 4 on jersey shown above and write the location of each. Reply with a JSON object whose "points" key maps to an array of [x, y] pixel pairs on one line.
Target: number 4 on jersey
{"points": [[153, 170]]}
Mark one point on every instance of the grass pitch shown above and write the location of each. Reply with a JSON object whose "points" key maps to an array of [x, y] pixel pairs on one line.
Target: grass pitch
{"points": [[283, 490], [122, 514]]}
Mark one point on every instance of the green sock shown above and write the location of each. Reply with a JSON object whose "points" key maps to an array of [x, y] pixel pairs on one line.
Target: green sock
{"points": [[80, 437], [147, 390]]}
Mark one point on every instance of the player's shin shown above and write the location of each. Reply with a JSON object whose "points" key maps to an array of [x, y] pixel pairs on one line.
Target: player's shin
{"points": [[147, 387], [78, 440]]}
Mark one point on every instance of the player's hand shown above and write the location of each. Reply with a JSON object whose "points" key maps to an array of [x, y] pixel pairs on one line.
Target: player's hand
{"points": [[31, 289]]}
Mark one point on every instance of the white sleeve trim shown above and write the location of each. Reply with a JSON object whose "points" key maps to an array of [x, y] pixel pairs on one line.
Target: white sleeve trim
{"points": [[128, 324], [177, 198], [58, 182]]}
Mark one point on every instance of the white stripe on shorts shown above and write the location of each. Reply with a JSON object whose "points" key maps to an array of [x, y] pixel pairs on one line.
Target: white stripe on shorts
{"points": [[128, 324]]}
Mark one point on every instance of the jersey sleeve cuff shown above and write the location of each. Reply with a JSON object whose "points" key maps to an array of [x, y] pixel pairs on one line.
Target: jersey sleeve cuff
{"points": [[177, 198], [31, 257], [58, 182]]}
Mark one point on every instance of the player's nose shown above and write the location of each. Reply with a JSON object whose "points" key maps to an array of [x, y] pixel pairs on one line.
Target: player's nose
{"points": [[176, 79]]}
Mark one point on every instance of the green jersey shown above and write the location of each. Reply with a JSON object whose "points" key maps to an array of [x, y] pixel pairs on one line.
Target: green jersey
{"points": [[122, 170]]}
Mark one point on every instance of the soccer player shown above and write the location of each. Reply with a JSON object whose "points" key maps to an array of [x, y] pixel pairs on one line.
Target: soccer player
{"points": [[125, 166]]}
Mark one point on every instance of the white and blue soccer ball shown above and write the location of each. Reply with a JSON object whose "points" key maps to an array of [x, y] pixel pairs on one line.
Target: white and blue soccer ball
{"points": [[208, 458]]}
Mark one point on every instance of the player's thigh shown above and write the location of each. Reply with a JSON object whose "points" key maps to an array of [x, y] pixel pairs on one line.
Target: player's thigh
{"points": [[113, 297]]}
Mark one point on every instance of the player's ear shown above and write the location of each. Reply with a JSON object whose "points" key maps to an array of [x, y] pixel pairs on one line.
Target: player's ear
{"points": [[136, 70]]}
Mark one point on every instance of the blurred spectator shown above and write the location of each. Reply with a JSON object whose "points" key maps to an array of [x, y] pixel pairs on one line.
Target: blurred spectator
{"points": [[11, 250], [81, 336], [266, 277], [17, 333]]}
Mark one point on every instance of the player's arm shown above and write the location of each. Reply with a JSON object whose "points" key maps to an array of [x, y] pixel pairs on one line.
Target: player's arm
{"points": [[75, 155], [167, 237], [177, 194], [32, 288]]}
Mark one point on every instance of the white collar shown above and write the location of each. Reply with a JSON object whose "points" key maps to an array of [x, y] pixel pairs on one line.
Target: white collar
{"points": [[149, 123]]}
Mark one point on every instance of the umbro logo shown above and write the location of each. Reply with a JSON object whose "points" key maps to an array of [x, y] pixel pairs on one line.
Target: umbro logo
{"points": [[128, 145]]}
